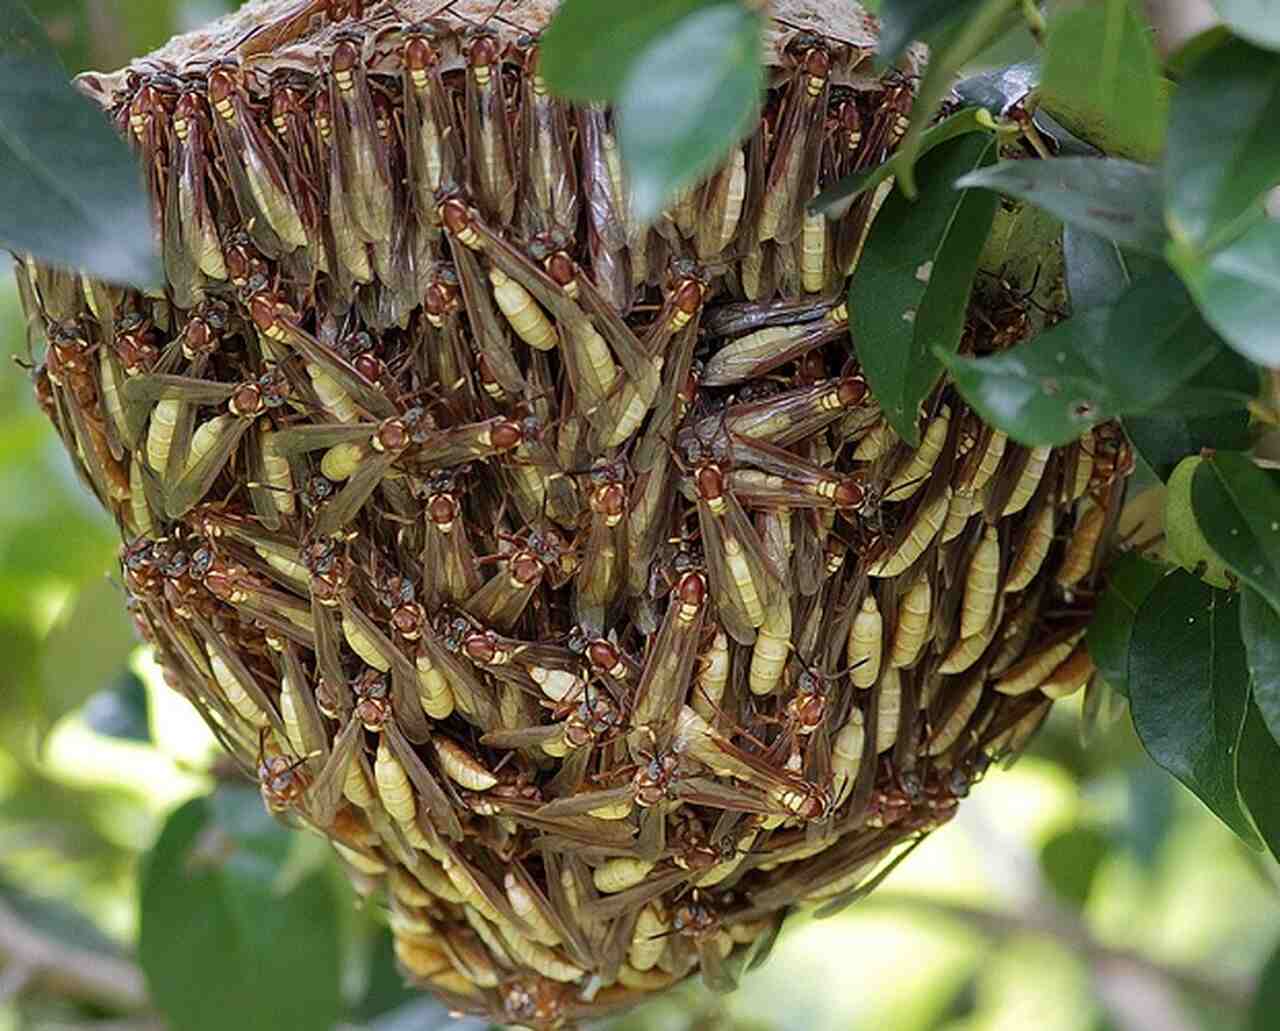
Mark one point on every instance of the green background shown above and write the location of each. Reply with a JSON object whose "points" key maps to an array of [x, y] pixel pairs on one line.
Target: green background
{"points": [[1082, 889]]}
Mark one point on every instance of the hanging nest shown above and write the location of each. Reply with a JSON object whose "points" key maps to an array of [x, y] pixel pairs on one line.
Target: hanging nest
{"points": [[560, 570]]}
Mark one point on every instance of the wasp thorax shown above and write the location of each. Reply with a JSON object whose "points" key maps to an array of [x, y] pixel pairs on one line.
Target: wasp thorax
{"points": [[501, 533]]}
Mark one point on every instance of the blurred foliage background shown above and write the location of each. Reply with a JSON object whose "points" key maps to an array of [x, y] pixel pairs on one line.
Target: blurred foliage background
{"points": [[1080, 891]]}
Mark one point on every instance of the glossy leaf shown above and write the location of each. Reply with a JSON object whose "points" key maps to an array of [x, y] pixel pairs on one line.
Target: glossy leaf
{"points": [[220, 935], [121, 710], [1189, 691], [911, 288], [1163, 439], [1055, 386], [1070, 861], [1254, 20], [1260, 783], [1066, 144], [1179, 63], [588, 50], [837, 198], [688, 99], [70, 190], [1260, 628], [1238, 289], [1130, 579], [1102, 79], [1098, 272], [1118, 199], [1224, 148], [1237, 508], [950, 49], [385, 992]]}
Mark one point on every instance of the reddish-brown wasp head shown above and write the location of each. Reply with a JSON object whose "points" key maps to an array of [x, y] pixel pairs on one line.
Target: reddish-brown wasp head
{"points": [[610, 501], [392, 435], [373, 699], [247, 401], [223, 81], [244, 264], [849, 493], [708, 478], [481, 647], [695, 919], [654, 779], [408, 620], [281, 781], [442, 510], [455, 215], [851, 391], [420, 54], [345, 58], [482, 54], [525, 568], [506, 435], [605, 657]]}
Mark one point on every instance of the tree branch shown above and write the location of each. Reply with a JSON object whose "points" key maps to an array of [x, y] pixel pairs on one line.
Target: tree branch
{"points": [[67, 970]]}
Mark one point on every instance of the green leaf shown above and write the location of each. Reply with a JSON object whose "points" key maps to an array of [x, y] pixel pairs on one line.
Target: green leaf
{"points": [[950, 49], [121, 710], [688, 99], [588, 50], [1098, 272], [1189, 691], [1179, 63], [837, 198], [222, 945], [1070, 861], [1102, 80], [1260, 628], [1224, 386], [70, 190], [1238, 289], [1237, 508], [1164, 439], [1112, 197], [386, 990], [1224, 148], [89, 647], [1260, 783], [1255, 20], [902, 21], [1055, 386], [1129, 580], [911, 288]]}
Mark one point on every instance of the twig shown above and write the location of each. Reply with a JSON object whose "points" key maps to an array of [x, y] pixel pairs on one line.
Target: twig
{"points": [[67, 970], [1231, 992]]}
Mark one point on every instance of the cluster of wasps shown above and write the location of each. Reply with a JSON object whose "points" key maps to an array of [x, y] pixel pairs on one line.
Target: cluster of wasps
{"points": [[561, 570]]}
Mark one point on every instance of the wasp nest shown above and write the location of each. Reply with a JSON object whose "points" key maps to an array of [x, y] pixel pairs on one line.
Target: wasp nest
{"points": [[561, 570]]}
